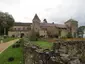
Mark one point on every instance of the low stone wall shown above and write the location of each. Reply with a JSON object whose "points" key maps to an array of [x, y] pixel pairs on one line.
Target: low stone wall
{"points": [[64, 52], [71, 52]]}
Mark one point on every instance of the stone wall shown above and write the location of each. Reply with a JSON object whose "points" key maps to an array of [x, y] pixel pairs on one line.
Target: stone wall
{"points": [[63, 52], [71, 52]]}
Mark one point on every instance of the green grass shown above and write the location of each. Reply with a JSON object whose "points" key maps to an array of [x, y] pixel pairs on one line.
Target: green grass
{"points": [[43, 44], [17, 53], [8, 39]]}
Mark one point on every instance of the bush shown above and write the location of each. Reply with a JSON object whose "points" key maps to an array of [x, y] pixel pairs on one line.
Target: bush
{"points": [[13, 46], [33, 38], [5, 36], [13, 36], [16, 46], [69, 35], [18, 42], [10, 59]]}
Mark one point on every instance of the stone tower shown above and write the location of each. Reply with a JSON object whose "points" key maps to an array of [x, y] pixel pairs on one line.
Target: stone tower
{"points": [[72, 26], [36, 23]]}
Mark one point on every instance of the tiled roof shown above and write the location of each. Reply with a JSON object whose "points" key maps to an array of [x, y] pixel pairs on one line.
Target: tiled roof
{"points": [[45, 25], [21, 24], [60, 26]]}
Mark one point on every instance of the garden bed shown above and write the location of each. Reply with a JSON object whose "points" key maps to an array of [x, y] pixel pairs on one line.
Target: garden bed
{"points": [[15, 53]]}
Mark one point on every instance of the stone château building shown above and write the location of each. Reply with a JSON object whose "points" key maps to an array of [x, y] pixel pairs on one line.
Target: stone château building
{"points": [[44, 29]]}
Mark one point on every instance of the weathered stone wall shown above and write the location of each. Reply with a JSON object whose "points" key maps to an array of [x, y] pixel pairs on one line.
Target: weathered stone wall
{"points": [[71, 52], [63, 52]]}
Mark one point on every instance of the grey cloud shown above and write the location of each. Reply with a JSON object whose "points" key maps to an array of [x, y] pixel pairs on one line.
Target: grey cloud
{"points": [[68, 9]]}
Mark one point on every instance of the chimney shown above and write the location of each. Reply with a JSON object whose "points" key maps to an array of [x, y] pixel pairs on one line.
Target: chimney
{"points": [[44, 21], [52, 22]]}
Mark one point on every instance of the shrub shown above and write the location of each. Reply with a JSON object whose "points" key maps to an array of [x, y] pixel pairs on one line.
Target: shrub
{"points": [[69, 35], [10, 59], [13, 36], [13, 46], [5, 36], [16, 46], [18, 42], [33, 37]]}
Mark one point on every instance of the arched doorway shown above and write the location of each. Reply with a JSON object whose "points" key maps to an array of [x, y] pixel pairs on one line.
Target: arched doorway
{"points": [[22, 34]]}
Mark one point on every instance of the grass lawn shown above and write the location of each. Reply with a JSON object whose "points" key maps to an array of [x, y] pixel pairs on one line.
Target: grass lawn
{"points": [[8, 39], [17, 53], [43, 44]]}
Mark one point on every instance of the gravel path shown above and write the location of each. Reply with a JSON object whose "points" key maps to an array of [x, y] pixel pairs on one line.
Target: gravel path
{"points": [[4, 46]]}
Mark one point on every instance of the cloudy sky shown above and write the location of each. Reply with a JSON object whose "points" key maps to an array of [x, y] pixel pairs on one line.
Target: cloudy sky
{"points": [[57, 11]]}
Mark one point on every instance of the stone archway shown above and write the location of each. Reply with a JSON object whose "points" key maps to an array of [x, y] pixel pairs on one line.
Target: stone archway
{"points": [[21, 35]]}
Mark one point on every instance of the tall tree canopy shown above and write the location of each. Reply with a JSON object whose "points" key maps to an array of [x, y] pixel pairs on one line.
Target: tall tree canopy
{"points": [[6, 21], [81, 30]]}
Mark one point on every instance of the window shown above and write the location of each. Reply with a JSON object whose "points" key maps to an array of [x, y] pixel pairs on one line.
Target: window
{"points": [[23, 28], [18, 28], [14, 28]]}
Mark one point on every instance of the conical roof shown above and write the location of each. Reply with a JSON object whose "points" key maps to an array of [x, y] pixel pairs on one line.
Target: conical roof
{"points": [[36, 17]]}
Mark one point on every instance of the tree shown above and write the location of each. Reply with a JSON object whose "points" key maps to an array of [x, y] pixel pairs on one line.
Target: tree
{"points": [[81, 31], [6, 21], [69, 35]]}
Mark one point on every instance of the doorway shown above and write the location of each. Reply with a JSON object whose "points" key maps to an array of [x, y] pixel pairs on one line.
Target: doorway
{"points": [[22, 34]]}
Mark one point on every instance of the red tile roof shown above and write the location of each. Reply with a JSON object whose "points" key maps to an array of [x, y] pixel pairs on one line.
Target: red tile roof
{"points": [[45, 25]]}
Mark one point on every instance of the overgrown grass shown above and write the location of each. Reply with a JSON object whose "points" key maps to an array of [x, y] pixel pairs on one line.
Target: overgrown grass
{"points": [[43, 44], [17, 53], [7, 39]]}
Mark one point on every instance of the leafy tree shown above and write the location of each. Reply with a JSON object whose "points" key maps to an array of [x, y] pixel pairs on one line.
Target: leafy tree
{"points": [[6, 21], [69, 35], [81, 30]]}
